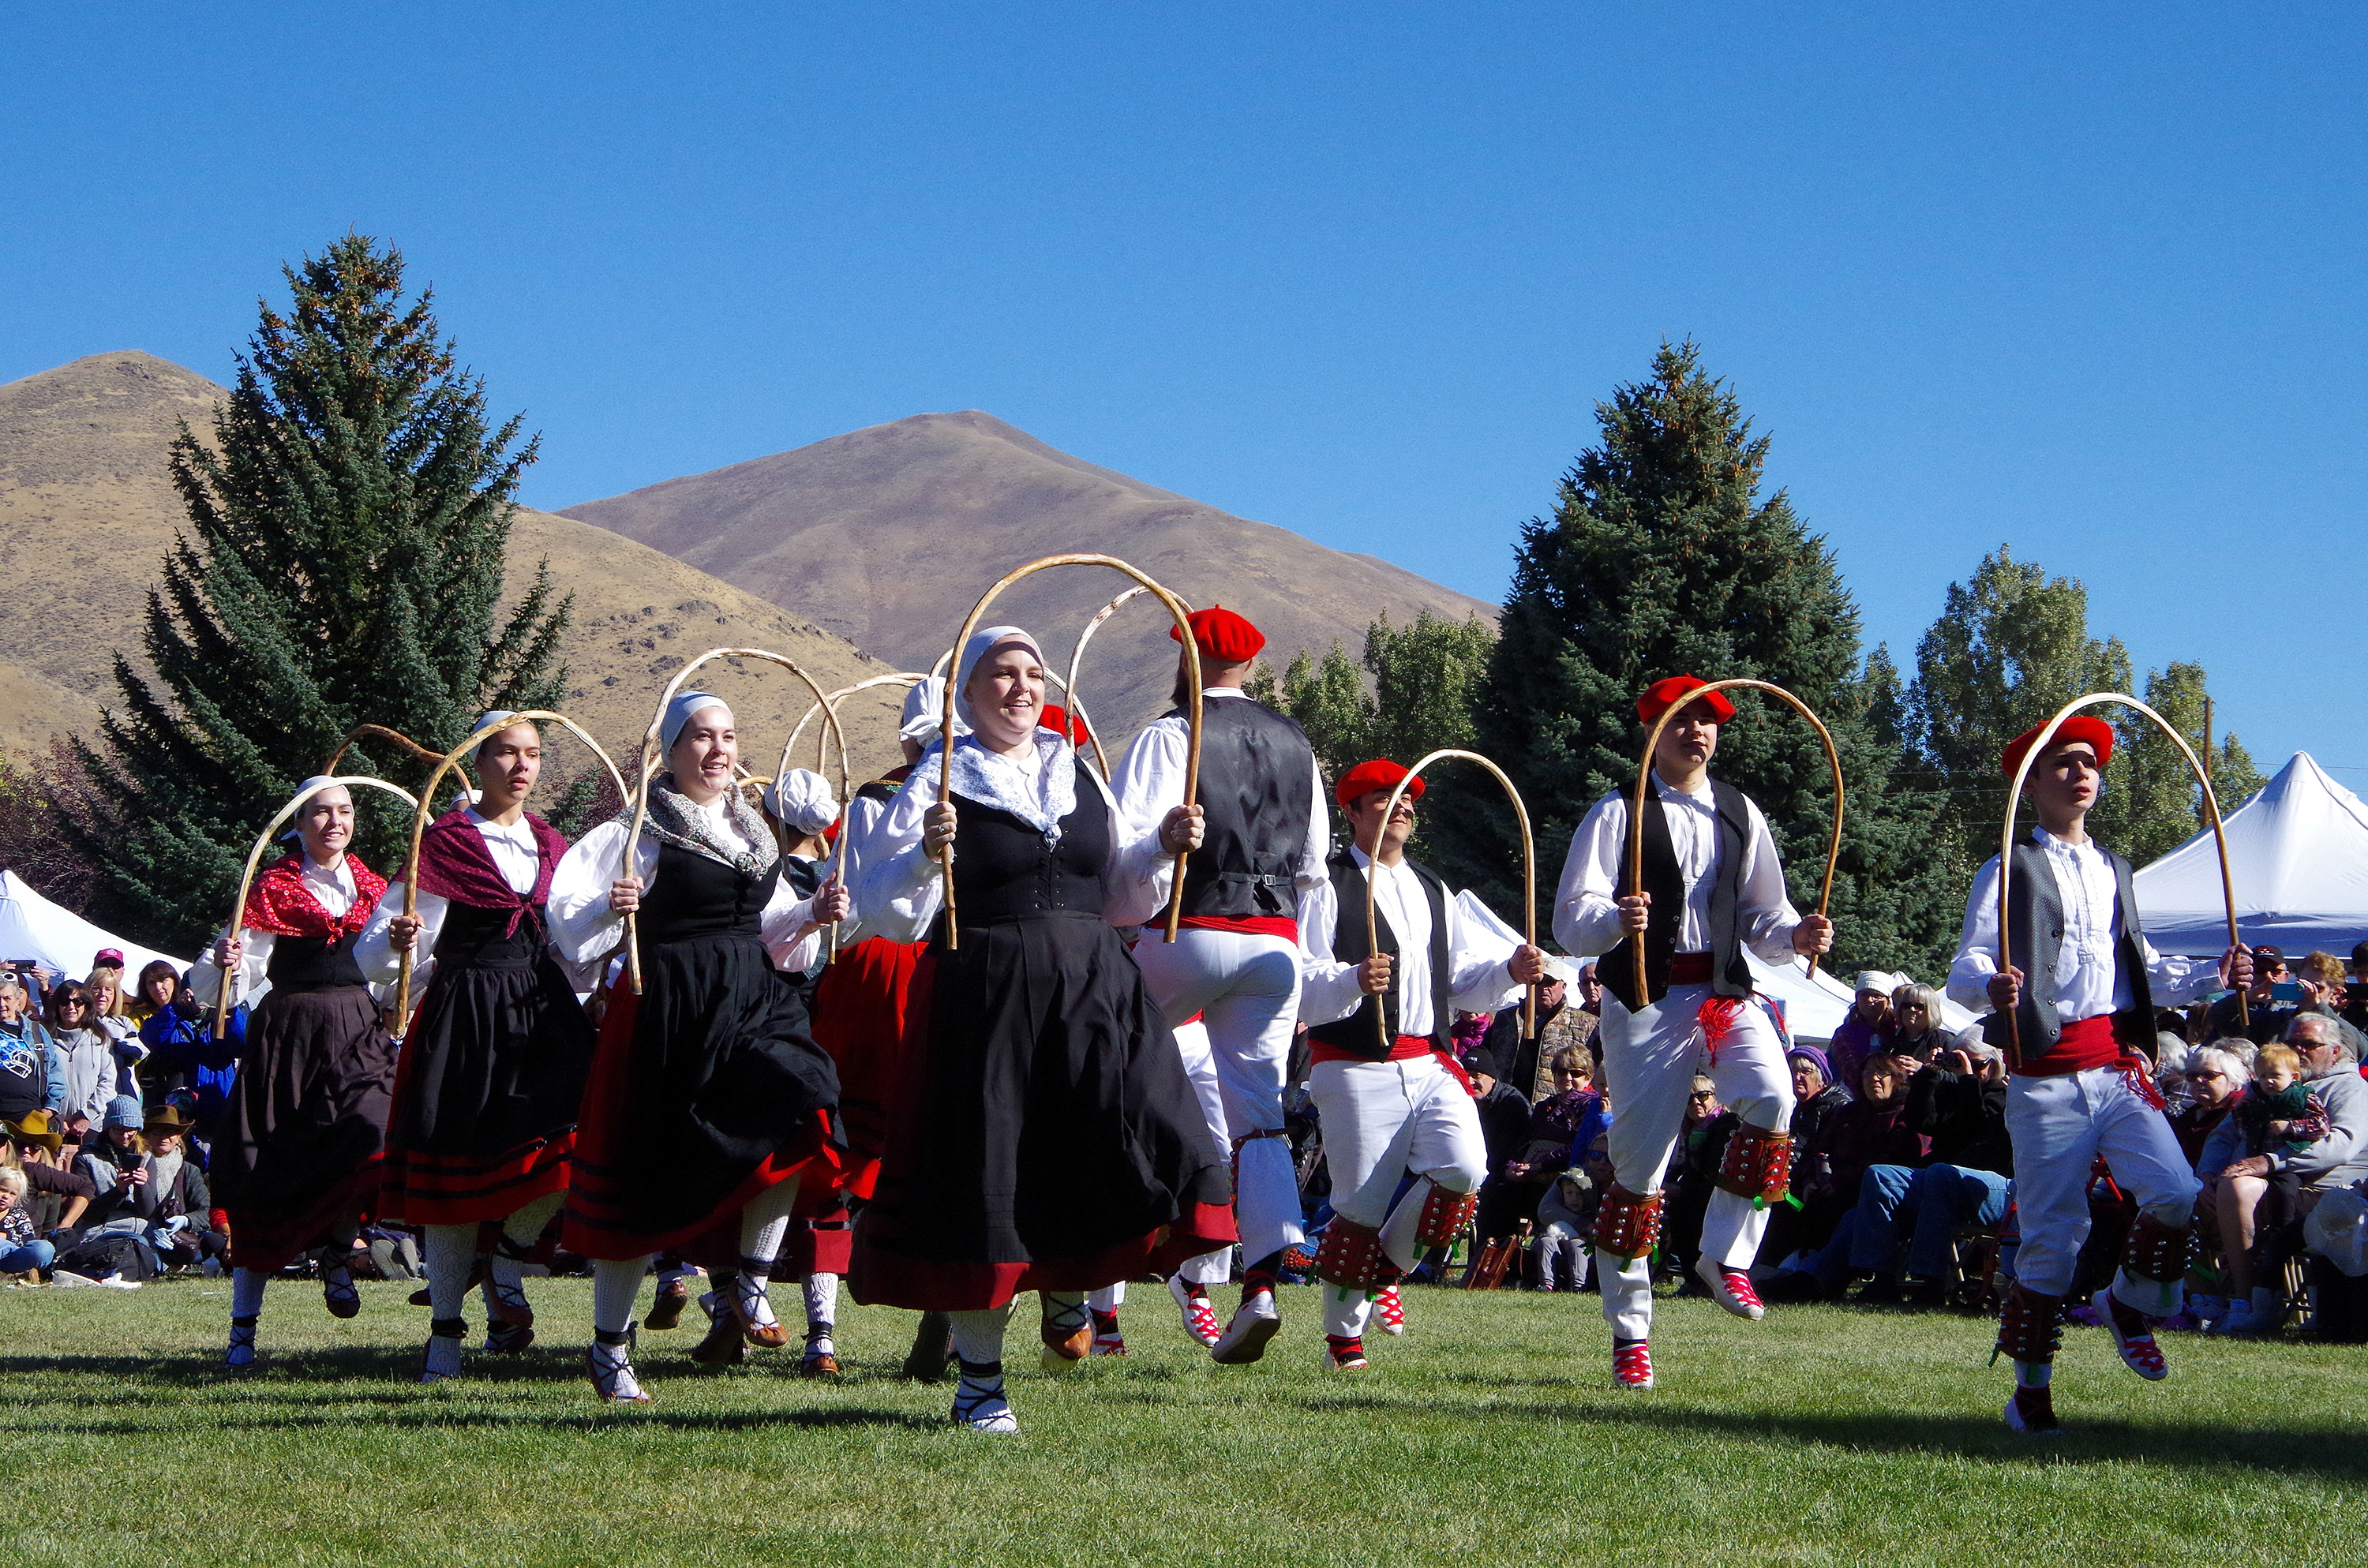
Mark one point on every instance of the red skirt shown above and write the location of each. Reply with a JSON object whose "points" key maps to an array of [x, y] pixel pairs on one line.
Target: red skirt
{"points": [[864, 1020]]}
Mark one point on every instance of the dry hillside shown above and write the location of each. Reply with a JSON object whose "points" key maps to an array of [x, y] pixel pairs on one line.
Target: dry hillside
{"points": [[86, 511], [887, 536]]}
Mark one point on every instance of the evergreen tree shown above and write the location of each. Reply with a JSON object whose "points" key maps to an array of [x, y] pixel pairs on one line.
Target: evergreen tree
{"points": [[344, 566], [1328, 699], [2011, 646], [1424, 678], [2160, 807], [1662, 557]]}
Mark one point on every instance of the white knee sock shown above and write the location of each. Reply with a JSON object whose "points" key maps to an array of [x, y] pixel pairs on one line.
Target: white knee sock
{"points": [[246, 1292], [1109, 1299], [1065, 1309], [451, 1249], [1346, 1309], [822, 1300], [616, 1282], [766, 1221], [978, 1335], [525, 1226]]}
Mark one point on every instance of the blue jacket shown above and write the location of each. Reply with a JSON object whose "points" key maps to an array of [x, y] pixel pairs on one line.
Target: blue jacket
{"points": [[183, 1054]]}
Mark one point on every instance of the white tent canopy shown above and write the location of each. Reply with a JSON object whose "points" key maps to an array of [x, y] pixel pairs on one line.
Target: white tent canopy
{"points": [[2298, 859], [33, 927]]}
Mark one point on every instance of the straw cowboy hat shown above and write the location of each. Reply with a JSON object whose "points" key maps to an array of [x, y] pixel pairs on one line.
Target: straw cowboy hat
{"points": [[38, 1126]]}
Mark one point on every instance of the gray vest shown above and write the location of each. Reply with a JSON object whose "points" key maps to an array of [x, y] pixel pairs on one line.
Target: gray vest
{"points": [[2035, 912], [1254, 798]]}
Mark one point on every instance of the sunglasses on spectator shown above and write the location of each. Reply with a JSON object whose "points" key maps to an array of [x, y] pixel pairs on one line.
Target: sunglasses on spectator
{"points": [[2203, 1077], [73, 1002]]}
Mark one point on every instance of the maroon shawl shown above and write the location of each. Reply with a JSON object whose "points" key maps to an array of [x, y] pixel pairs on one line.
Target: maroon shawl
{"points": [[455, 865]]}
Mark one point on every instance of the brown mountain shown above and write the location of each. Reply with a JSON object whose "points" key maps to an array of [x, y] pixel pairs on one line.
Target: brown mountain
{"points": [[88, 511], [887, 536]]}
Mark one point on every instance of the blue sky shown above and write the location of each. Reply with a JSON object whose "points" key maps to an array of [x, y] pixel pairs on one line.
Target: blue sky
{"points": [[2084, 279]]}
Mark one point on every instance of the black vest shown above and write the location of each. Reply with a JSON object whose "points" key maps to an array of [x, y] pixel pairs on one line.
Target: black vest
{"points": [[312, 963], [1005, 872], [693, 896], [473, 938], [2035, 912], [1730, 975], [1356, 1034], [1254, 795]]}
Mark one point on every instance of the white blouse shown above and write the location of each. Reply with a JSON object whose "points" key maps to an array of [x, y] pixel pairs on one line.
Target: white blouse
{"points": [[517, 857], [584, 930], [1480, 980], [901, 890], [331, 886]]}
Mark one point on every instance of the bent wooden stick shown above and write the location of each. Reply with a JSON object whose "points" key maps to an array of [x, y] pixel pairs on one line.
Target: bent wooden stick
{"points": [[1076, 656], [1529, 882], [425, 808], [418, 752], [2006, 840], [902, 678], [255, 856], [946, 723], [652, 758], [1645, 785]]}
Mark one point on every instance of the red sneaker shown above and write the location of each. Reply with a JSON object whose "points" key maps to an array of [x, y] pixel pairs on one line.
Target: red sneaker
{"points": [[1632, 1366], [1389, 1311], [1731, 1289], [2136, 1344]]}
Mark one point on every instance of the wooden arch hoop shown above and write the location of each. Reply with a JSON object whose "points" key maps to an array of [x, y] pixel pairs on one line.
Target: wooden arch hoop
{"points": [[902, 678], [419, 754], [2006, 837], [651, 757], [263, 841], [1645, 783], [945, 722], [1077, 657], [421, 813], [1529, 880]]}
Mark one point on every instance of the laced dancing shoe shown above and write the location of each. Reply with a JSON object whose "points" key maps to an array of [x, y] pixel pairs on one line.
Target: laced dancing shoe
{"points": [[986, 1411], [1108, 1341], [440, 1359], [610, 1368], [2032, 1412], [1200, 1317], [754, 1310], [508, 1339], [723, 1347], [933, 1347], [241, 1354], [1068, 1336], [1256, 1320], [1389, 1311], [338, 1294], [1730, 1288], [1344, 1355], [666, 1312], [507, 1301], [1632, 1366], [821, 1359], [2139, 1351]]}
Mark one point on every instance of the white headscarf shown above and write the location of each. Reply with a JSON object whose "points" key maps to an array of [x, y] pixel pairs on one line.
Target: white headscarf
{"points": [[679, 710], [981, 645], [306, 788], [802, 799], [925, 712], [493, 716], [1040, 799]]}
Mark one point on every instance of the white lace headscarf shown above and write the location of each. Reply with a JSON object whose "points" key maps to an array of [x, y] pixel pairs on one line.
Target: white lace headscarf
{"points": [[1041, 799]]}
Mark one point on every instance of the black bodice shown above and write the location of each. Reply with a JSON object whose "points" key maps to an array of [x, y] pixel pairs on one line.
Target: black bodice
{"points": [[312, 963], [1004, 870], [473, 937], [693, 897]]}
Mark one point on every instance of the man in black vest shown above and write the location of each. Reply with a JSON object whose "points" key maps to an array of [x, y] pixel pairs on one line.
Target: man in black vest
{"points": [[2080, 987], [1387, 1092], [1235, 958], [1712, 886]]}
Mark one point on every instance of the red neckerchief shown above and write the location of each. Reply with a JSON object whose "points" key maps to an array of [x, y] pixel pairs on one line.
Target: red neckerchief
{"points": [[279, 903], [455, 863]]}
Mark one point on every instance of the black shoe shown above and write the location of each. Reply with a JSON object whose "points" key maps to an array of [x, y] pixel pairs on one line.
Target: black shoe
{"points": [[1883, 1290], [933, 1347], [1925, 1293]]}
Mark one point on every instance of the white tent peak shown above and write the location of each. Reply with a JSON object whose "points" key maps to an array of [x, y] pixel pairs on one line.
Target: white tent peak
{"points": [[33, 927], [2298, 860]]}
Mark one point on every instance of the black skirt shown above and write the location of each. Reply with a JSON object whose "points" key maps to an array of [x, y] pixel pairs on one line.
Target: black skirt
{"points": [[307, 1129]]}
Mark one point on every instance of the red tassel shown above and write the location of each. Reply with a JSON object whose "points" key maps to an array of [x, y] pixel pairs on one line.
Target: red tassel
{"points": [[2139, 1072], [1717, 1019]]}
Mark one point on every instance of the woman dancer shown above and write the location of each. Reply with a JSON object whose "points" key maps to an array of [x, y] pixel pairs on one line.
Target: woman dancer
{"points": [[299, 1160], [708, 1097], [494, 1060], [1050, 1140]]}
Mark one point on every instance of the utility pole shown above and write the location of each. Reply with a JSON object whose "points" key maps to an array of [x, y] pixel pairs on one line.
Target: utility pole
{"points": [[2207, 737]]}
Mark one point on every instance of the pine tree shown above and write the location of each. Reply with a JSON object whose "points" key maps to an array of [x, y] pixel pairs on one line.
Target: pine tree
{"points": [[1662, 557], [344, 566], [2160, 807]]}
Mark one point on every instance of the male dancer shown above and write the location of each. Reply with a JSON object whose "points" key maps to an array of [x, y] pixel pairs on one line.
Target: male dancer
{"points": [[2080, 987], [1388, 1093], [1712, 886], [1235, 959]]}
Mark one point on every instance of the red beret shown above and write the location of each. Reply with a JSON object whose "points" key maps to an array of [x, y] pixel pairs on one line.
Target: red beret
{"points": [[2079, 727], [1057, 719], [1664, 695], [1222, 635], [1367, 777]]}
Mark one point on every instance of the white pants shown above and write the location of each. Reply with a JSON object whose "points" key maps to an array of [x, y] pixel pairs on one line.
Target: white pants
{"points": [[2059, 1127], [1381, 1119], [1649, 1061], [1246, 989]]}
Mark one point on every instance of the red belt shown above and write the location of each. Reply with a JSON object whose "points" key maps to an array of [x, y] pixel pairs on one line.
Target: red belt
{"points": [[2080, 1045], [1689, 969]]}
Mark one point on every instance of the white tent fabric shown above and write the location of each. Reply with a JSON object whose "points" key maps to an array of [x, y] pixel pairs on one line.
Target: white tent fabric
{"points": [[33, 927], [1814, 1008], [2298, 859]]}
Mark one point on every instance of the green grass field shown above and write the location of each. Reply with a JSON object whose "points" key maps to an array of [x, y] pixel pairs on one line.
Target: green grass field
{"points": [[1823, 1435]]}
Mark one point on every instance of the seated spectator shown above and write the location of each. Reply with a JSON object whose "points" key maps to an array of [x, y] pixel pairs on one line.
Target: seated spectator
{"points": [[1506, 1195], [1558, 1259], [32, 1077], [1702, 1149], [1527, 1064], [2264, 1018], [21, 1250], [1873, 1130], [150, 1193], [1794, 1227], [2216, 1081], [87, 1056], [2250, 1192], [154, 993], [2355, 1002], [116, 1162], [58, 1195], [1958, 1104], [1866, 1031], [2280, 1111], [1916, 1030], [175, 1200], [186, 1058], [110, 1015]]}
